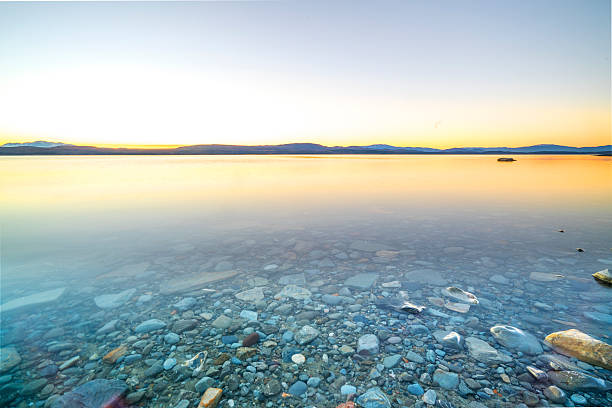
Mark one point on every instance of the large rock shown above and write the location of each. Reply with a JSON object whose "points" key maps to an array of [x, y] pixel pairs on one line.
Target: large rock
{"points": [[294, 292], [114, 300], [149, 326], [251, 295], [37, 299], [9, 358], [481, 350], [185, 285], [374, 398], [516, 339], [603, 276], [575, 343], [449, 339], [368, 343], [361, 280], [306, 334], [578, 381], [93, 394]]}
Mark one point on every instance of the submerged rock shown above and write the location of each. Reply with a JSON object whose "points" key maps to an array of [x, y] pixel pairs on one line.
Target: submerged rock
{"points": [[93, 394], [9, 358], [306, 334], [577, 344], [149, 326], [294, 292], [368, 343], [361, 281], [577, 381], [114, 300], [460, 294], [251, 295], [373, 398], [516, 339], [483, 352], [47, 296]]}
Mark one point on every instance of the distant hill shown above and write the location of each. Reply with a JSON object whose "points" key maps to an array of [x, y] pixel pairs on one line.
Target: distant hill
{"points": [[56, 148], [39, 143]]}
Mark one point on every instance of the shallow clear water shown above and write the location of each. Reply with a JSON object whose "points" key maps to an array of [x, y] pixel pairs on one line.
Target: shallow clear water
{"points": [[467, 221]]}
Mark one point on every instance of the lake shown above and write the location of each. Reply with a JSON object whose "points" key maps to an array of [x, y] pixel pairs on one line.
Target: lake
{"points": [[216, 248]]}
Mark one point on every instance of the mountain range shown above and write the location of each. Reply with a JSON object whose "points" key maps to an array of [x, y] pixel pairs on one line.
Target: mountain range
{"points": [[57, 148]]}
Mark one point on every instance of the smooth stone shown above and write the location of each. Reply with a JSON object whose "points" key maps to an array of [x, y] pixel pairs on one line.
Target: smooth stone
{"points": [[575, 343], [96, 393], [483, 352], [298, 359], [169, 364], [332, 300], [222, 322], [33, 386], [392, 361], [446, 379], [415, 389], [346, 349], [599, 317], [429, 397], [578, 399], [114, 300], [36, 299], [373, 398], [204, 384], [251, 295], [294, 292], [173, 286], [298, 388], [368, 343], [185, 304], [306, 334], [361, 281], [348, 389], [108, 327], [172, 338], [149, 326], [502, 280], [555, 394], [249, 315], [449, 339], [516, 339], [9, 358], [414, 357]]}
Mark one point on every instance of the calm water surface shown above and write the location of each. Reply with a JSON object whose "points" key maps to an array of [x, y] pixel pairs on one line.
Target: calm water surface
{"points": [[425, 221]]}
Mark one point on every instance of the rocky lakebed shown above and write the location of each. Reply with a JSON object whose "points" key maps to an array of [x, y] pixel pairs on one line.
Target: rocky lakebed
{"points": [[312, 319]]}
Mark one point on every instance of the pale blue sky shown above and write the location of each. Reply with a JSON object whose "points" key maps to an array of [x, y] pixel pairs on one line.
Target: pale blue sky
{"points": [[355, 71]]}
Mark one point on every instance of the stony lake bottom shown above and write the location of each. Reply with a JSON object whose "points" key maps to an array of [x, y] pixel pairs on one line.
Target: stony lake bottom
{"points": [[304, 281]]}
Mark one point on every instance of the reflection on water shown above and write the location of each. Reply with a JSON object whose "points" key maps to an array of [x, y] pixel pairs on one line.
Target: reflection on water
{"points": [[415, 224]]}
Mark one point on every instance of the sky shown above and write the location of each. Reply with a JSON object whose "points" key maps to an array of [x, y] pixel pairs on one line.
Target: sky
{"points": [[407, 73]]}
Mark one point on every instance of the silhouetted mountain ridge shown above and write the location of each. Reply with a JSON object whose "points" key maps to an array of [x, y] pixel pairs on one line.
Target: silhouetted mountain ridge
{"points": [[56, 148]]}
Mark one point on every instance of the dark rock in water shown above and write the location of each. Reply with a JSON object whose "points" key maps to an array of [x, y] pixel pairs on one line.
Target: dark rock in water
{"points": [[8, 393], [271, 388], [576, 381], [251, 339], [298, 388], [49, 370], [93, 394]]}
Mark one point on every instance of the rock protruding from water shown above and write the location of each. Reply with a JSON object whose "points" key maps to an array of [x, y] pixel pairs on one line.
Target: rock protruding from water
{"points": [[603, 276], [113, 300], [575, 343], [36, 299], [361, 281], [516, 339], [460, 295], [483, 352], [93, 394]]}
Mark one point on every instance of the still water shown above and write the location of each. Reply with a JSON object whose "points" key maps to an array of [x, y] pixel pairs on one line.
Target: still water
{"points": [[152, 228]]}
